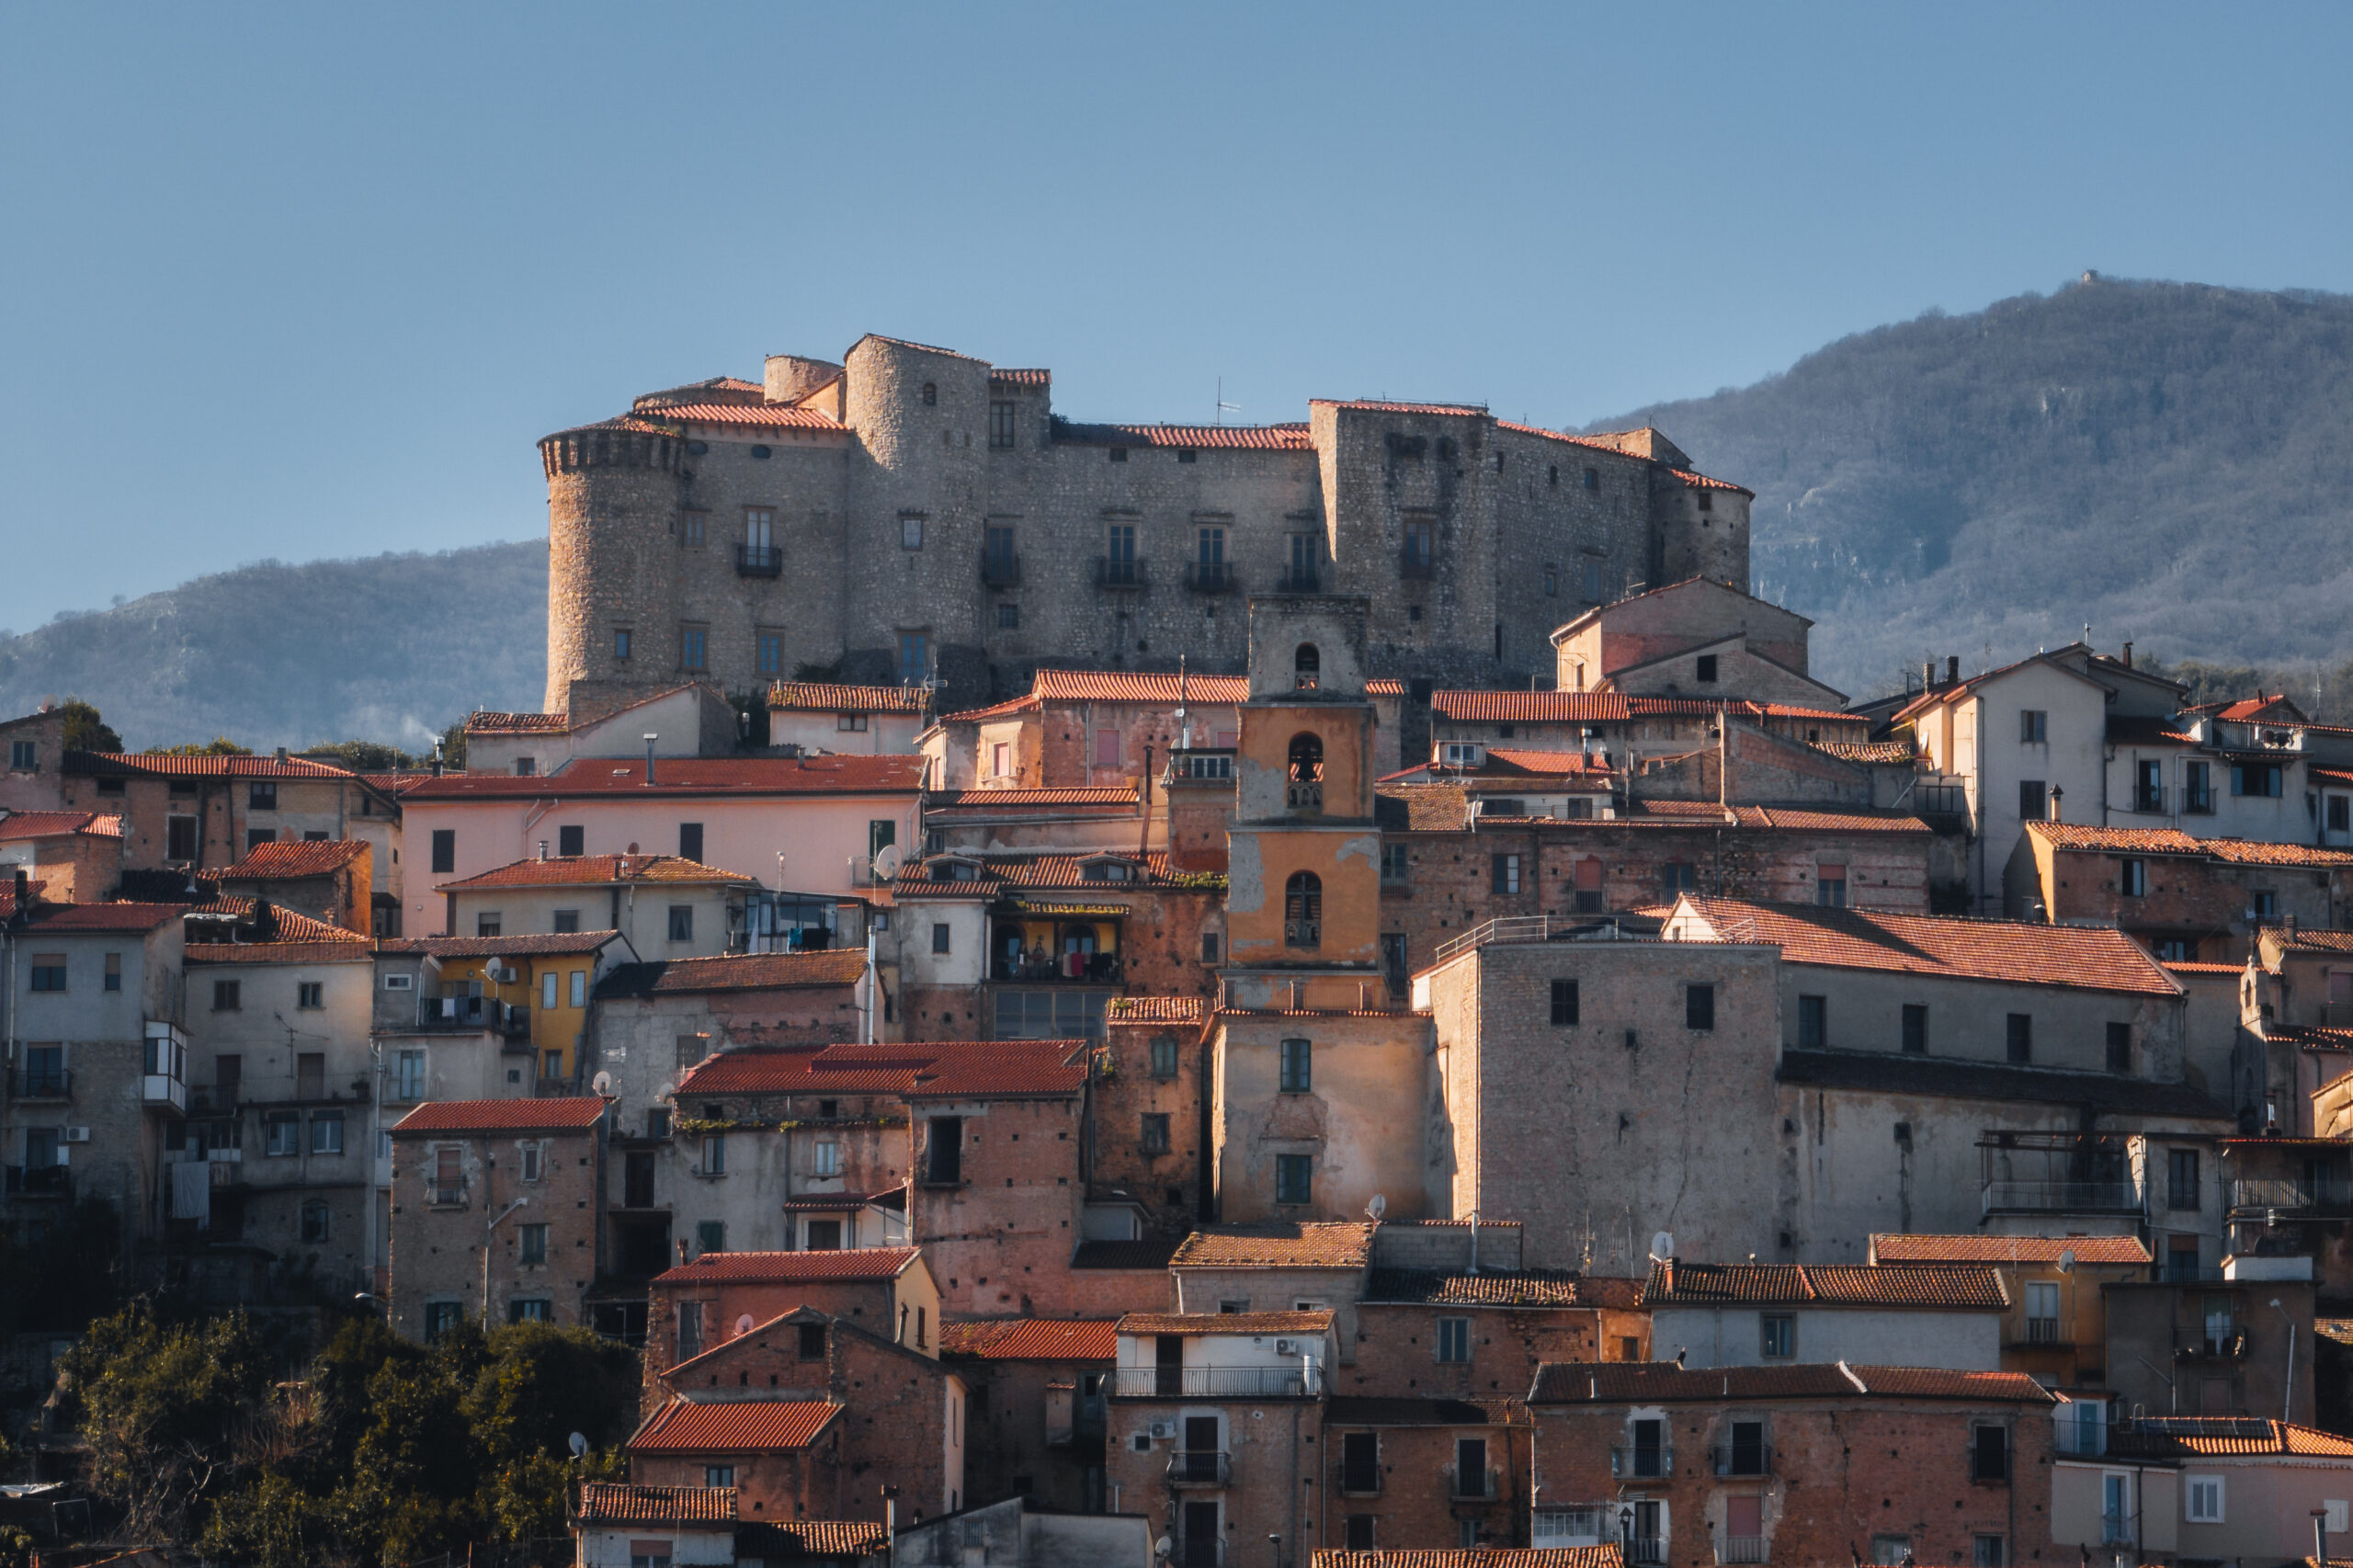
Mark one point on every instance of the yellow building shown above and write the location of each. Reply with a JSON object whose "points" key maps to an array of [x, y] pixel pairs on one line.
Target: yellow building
{"points": [[529, 992]]}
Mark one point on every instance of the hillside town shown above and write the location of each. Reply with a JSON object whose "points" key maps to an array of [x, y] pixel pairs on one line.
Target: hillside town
{"points": [[1191, 997]]}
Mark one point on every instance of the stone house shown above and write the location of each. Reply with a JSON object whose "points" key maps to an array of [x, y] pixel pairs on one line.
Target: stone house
{"points": [[1150, 1084], [93, 1015], [2055, 1328], [1640, 736], [1040, 1390], [1418, 1473], [668, 907], [2292, 1197], [74, 856], [1700, 635], [477, 1017], [604, 720], [1314, 1266], [1481, 1332], [497, 1212], [2202, 1346], [888, 1291], [1764, 1315], [2184, 899], [824, 717], [1800, 1464], [202, 813], [944, 523], [332, 879], [2204, 1489], [32, 748], [1213, 1429]]}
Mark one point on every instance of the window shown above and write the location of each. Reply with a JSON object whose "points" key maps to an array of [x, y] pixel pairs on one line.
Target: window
{"points": [[533, 1161], [228, 995], [2340, 813], [689, 1330], [315, 1221], [1830, 887], [565, 921], [2265, 902], [1592, 581], [310, 993], [2120, 1047], [179, 838], [691, 529], [2197, 788], [1153, 1139], [710, 1236], [580, 988], [488, 924], [1298, 1067], [1454, 1339], [1776, 1338], [1564, 1002], [1393, 863], [1008, 618], [621, 642], [1706, 673], [1989, 1454], [1107, 748], [2034, 727], [915, 657], [693, 645], [719, 1475], [258, 837], [2132, 879], [1120, 554], [1915, 1028], [1986, 1552], [1208, 541], [1699, 1006], [284, 1132], [408, 1076], [690, 841], [2204, 1493], [944, 1151], [1589, 885], [440, 1317], [2032, 802], [880, 834], [326, 1132], [1813, 1022], [930, 394], [910, 530], [1163, 1056], [828, 1157], [1506, 873], [1678, 876], [530, 1309], [113, 979], [825, 1235], [49, 972], [445, 849], [1552, 582], [1420, 547], [2019, 1041], [261, 795], [1303, 911], [2261, 778], [24, 756], [682, 922], [714, 1154], [2181, 1179], [1210, 946], [1294, 1179], [535, 1244]]}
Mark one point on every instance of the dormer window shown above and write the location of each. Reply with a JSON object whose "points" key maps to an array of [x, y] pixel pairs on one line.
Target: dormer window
{"points": [[1460, 754], [1107, 871], [954, 871]]}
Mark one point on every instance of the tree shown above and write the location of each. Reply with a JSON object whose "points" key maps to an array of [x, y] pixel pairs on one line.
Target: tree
{"points": [[84, 730], [163, 1408], [362, 756], [218, 746], [453, 744]]}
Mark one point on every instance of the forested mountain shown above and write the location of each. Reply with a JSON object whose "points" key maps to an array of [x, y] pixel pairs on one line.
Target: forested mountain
{"points": [[2170, 462], [390, 648]]}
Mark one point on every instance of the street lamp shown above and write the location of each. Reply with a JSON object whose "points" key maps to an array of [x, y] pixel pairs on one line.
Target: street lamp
{"points": [[1625, 1533]]}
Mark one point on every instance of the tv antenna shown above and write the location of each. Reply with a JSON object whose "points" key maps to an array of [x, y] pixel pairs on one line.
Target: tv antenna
{"points": [[1224, 408]]}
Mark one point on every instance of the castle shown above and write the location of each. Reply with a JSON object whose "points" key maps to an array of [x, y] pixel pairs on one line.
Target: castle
{"points": [[912, 513]]}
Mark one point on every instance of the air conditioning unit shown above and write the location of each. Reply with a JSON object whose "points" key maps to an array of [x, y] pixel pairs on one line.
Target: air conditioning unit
{"points": [[1164, 1428], [1286, 1346], [77, 1135]]}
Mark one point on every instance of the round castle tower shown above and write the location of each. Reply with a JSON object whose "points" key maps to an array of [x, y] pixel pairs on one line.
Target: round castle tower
{"points": [[613, 499]]}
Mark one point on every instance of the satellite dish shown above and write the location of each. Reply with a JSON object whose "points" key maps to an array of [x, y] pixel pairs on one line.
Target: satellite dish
{"points": [[2067, 1261], [602, 1082], [1662, 1247], [1162, 1547], [1377, 1208], [579, 1445], [744, 1325], [888, 860]]}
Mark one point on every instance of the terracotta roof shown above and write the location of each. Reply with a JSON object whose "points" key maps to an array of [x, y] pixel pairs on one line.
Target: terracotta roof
{"points": [[770, 415], [294, 858], [1944, 1287], [395, 784], [1868, 751], [2243, 710], [114, 764], [1548, 762], [1702, 482], [2086, 958], [537, 1114], [1593, 442], [791, 1267], [1155, 1010], [1032, 1339], [2309, 941], [1623, 1382], [1363, 1410], [745, 775], [57, 825], [2184, 966], [2171, 841], [594, 870], [1531, 707], [607, 1502], [485, 721], [1123, 797], [1000, 877], [353, 948], [1145, 1252], [618, 422], [1527, 1288], [1308, 1245], [741, 972], [2257, 852], [1119, 686], [545, 944], [735, 1426], [1889, 1247], [2219, 1436], [1707, 707], [1946, 693], [1252, 437], [1608, 1556], [819, 697], [1225, 1322], [1887, 1073], [1021, 378], [74, 919], [775, 1540], [2332, 775], [2144, 730], [966, 1069]]}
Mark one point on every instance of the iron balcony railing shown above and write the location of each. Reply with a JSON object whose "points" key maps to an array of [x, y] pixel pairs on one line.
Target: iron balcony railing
{"points": [[1743, 1459], [2205, 1345], [40, 1181], [1210, 576], [2265, 1192], [2042, 1331], [2061, 1198], [470, 1012], [1200, 1466], [1645, 1548], [2115, 1529], [1307, 935], [41, 1084], [1218, 1382], [758, 560], [1642, 1462], [1742, 1549], [1940, 800], [1300, 580], [1478, 1486], [2148, 798], [1000, 569], [1118, 572]]}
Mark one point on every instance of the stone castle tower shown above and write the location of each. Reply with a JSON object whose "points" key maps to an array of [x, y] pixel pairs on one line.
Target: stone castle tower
{"points": [[912, 513]]}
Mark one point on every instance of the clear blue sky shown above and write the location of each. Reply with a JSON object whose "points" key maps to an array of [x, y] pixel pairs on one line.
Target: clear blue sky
{"points": [[310, 282]]}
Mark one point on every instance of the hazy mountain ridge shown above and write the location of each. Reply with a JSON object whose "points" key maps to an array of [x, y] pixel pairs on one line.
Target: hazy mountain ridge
{"points": [[388, 647], [2166, 461]]}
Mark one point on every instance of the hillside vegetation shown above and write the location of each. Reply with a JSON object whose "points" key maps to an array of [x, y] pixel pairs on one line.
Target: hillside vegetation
{"points": [[390, 648], [2168, 462]]}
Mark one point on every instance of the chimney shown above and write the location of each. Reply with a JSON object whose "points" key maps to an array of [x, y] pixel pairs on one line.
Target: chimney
{"points": [[2051, 810], [1952, 669], [543, 848], [281, 753], [23, 890], [2128, 655], [649, 739], [1928, 676]]}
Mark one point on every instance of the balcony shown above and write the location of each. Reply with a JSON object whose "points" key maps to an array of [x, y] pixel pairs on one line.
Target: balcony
{"points": [[1120, 573], [1000, 569], [472, 1013], [1218, 1382], [1741, 1549], [2042, 1334], [758, 560], [2203, 1344], [41, 1181], [1201, 1466], [1644, 1549], [1307, 936], [1742, 1459], [1641, 1462], [2146, 797], [1304, 795], [1300, 580], [2115, 1529], [162, 1091], [1210, 577], [41, 1084], [1940, 800], [1478, 1486], [2061, 1198], [2264, 1194]]}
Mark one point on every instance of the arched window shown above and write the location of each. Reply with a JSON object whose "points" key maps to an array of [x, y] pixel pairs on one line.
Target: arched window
{"points": [[1307, 664], [1303, 911], [1306, 759], [930, 393]]}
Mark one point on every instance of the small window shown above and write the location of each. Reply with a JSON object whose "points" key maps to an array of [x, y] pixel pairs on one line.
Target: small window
{"points": [[326, 1132], [710, 1236], [1506, 877], [2019, 1040], [621, 642], [2120, 1047], [1915, 1028], [1813, 1023], [533, 1161], [1421, 546], [1393, 863], [2132, 880], [1990, 1454], [1210, 946], [915, 657], [565, 921], [911, 530], [1552, 582], [445, 849], [931, 394], [228, 995], [1988, 1551], [1119, 454], [828, 1158], [49, 972], [284, 1131], [580, 988], [682, 922], [1163, 1056], [1593, 581], [810, 1341], [490, 923], [690, 841], [691, 529], [2204, 1494], [571, 840], [719, 1475], [1706, 674], [694, 647], [939, 936], [1699, 1006], [535, 1244], [1001, 425], [714, 1158], [24, 756], [1776, 1336], [310, 993], [2034, 726], [1564, 1002], [258, 837], [1592, 479], [1008, 618], [1454, 1339], [1294, 1179], [113, 980], [525, 767], [1830, 887], [1154, 1137], [2032, 802], [1298, 1067], [316, 1214]]}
